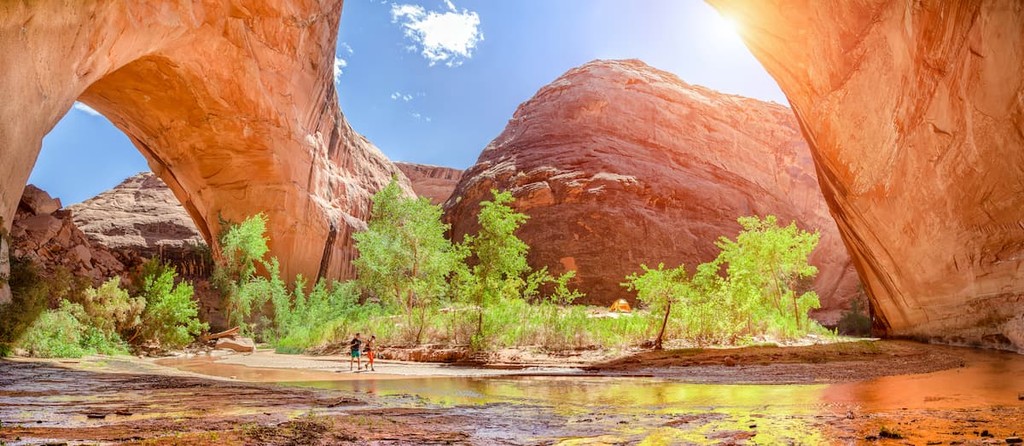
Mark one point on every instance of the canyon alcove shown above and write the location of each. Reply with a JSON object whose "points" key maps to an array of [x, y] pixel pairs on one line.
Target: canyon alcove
{"points": [[912, 111]]}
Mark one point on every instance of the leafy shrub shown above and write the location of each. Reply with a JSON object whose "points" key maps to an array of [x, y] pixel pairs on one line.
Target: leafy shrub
{"points": [[111, 309], [763, 266], [66, 332], [331, 315], [170, 317], [749, 290]]}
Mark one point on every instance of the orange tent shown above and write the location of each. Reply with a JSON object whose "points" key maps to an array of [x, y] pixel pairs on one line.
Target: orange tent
{"points": [[620, 305]]}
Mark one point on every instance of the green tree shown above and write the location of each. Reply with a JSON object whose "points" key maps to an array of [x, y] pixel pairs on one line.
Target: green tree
{"points": [[764, 265], [243, 246], [404, 257], [660, 289], [171, 315], [500, 256]]}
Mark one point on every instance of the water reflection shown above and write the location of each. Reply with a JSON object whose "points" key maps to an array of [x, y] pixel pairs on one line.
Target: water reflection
{"points": [[601, 410], [987, 378]]}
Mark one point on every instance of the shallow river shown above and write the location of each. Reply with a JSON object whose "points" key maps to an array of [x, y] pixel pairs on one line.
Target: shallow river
{"points": [[591, 409]]}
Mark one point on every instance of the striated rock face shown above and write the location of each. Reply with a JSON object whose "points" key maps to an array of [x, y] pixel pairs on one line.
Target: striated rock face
{"points": [[619, 164], [232, 103], [140, 214], [46, 234], [433, 182], [914, 112]]}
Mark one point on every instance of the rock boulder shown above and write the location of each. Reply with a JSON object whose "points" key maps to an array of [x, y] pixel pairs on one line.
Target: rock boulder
{"points": [[47, 235]]}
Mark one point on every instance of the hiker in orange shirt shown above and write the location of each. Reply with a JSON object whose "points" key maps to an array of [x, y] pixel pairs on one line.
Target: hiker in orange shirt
{"points": [[370, 354]]}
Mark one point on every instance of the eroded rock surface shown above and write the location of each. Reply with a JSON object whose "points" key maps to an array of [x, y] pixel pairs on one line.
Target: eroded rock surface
{"points": [[46, 235], [914, 111], [232, 103], [433, 182], [140, 214], [619, 164]]}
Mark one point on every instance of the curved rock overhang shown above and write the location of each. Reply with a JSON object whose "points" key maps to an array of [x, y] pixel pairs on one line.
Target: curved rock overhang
{"points": [[914, 111], [232, 103]]}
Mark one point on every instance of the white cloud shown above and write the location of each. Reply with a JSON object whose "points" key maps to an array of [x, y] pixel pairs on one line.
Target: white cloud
{"points": [[339, 64], [85, 108], [348, 49], [400, 96], [448, 37], [420, 117]]}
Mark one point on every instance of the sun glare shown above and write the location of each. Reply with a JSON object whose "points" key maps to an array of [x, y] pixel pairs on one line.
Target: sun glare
{"points": [[727, 28]]}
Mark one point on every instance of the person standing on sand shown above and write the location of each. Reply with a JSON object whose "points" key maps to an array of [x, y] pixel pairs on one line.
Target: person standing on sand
{"points": [[354, 346], [369, 352]]}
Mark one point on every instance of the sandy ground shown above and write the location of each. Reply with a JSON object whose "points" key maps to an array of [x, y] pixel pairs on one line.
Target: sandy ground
{"points": [[822, 363]]}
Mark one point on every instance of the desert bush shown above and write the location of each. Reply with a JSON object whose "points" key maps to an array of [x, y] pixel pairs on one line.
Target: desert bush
{"points": [[320, 317], [111, 309], [68, 332], [170, 315]]}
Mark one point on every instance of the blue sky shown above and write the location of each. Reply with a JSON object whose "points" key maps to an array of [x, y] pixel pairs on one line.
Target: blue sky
{"points": [[433, 81]]}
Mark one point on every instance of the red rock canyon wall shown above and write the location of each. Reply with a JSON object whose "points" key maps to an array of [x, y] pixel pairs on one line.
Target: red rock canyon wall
{"points": [[914, 111]]}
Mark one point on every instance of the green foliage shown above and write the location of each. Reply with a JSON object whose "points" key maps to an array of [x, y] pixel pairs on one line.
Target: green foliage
{"points": [[749, 290], [561, 293], [763, 266], [111, 309], [170, 316], [243, 247], [659, 289], [500, 258], [30, 294], [100, 319], [518, 323], [404, 257], [68, 332], [321, 317]]}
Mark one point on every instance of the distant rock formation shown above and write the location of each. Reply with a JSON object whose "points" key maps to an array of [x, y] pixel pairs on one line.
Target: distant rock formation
{"points": [[619, 164], [45, 234], [140, 214], [433, 182], [915, 114]]}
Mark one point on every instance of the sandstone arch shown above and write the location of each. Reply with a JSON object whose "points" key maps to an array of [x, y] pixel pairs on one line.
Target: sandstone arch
{"points": [[231, 102], [914, 111]]}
